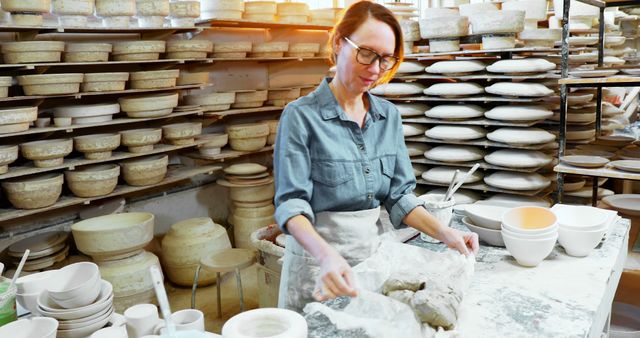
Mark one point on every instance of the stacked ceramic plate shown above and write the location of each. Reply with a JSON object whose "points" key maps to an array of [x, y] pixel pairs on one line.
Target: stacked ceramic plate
{"points": [[486, 221], [78, 298], [581, 228], [46, 250], [529, 233], [251, 189]]}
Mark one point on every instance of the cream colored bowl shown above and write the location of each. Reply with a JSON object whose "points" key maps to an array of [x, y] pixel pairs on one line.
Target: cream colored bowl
{"points": [[113, 236], [97, 146], [145, 171], [35, 191], [8, 154], [47, 153], [92, 181], [50, 84], [182, 133], [129, 276], [149, 105], [141, 140]]}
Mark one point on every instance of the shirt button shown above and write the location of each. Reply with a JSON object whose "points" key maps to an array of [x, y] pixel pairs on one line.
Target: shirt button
{"points": [[369, 196], [361, 146], [367, 170]]}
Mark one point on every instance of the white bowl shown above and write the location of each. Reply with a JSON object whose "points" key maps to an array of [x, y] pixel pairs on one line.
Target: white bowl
{"points": [[63, 325], [34, 283], [580, 243], [74, 280], [580, 217], [29, 301], [529, 252], [489, 236], [38, 327], [85, 330], [47, 308], [82, 299], [486, 216], [529, 219], [551, 232]]}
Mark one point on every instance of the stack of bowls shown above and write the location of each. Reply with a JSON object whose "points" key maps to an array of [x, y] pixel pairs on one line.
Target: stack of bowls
{"points": [[486, 221], [78, 298], [529, 233], [581, 228], [45, 250], [29, 288], [116, 243]]}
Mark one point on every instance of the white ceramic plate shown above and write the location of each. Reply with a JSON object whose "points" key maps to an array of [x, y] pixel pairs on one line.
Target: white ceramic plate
{"points": [[455, 133], [517, 181], [585, 161], [628, 204], [627, 165], [515, 158], [512, 201], [593, 73], [587, 191], [529, 65], [408, 67], [461, 196], [412, 109], [635, 71], [519, 113], [521, 136], [417, 148], [489, 236], [455, 111], [413, 129], [519, 89], [583, 40], [397, 89], [454, 89], [454, 153], [444, 175], [455, 67]]}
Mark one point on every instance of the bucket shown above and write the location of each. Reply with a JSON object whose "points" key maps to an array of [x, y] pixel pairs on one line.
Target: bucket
{"points": [[8, 311], [269, 266], [442, 211]]}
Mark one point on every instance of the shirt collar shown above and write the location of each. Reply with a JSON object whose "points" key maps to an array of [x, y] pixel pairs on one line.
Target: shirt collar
{"points": [[329, 107]]}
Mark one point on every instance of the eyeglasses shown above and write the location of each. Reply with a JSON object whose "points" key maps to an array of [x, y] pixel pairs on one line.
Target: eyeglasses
{"points": [[366, 56]]}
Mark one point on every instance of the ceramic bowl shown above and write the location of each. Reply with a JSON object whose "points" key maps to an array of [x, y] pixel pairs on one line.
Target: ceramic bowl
{"points": [[47, 153], [96, 146], [37, 327], [129, 276], [33, 283], [580, 243], [529, 219], [74, 280], [489, 236], [486, 216], [145, 171], [34, 192], [29, 301], [579, 217], [141, 140], [539, 235], [113, 236], [47, 308], [529, 252], [181, 133], [94, 180]]}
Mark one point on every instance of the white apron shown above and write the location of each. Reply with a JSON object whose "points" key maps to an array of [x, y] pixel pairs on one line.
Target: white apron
{"points": [[354, 234]]}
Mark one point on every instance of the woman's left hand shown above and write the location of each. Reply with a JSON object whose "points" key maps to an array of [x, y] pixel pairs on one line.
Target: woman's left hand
{"points": [[465, 242]]}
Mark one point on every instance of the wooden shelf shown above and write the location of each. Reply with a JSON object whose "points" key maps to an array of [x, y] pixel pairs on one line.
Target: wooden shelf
{"points": [[606, 171], [117, 92], [118, 121], [483, 76], [215, 23], [174, 174], [102, 30], [481, 98], [419, 56], [284, 58], [471, 122], [483, 142], [227, 154], [480, 186], [483, 165], [230, 112], [610, 3], [71, 163], [602, 81], [18, 66]]}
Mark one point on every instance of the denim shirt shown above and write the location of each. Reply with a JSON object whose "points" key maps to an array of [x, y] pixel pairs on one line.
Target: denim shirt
{"points": [[324, 161]]}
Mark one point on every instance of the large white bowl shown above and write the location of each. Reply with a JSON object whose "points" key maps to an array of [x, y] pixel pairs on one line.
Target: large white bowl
{"points": [[34, 283], [85, 330], [540, 235], [529, 252], [47, 308], [80, 299], [74, 281], [29, 301], [580, 243], [580, 217], [38, 327], [489, 236], [528, 219], [486, 216]]}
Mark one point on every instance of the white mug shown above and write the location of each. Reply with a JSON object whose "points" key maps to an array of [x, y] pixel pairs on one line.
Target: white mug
{"points": [[141, 320], [184, 320], [111, 332]]}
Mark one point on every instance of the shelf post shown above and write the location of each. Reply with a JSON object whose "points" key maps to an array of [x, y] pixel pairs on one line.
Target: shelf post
{"points": [[564, 69]]}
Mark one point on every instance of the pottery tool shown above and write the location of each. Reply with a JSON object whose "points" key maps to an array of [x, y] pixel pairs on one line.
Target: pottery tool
{"points": [[22, 261], [161, 294], [451, 184], [464, 179]]}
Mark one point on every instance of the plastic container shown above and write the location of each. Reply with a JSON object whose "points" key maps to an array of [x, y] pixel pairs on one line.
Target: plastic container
{"points": [[8, 311]]}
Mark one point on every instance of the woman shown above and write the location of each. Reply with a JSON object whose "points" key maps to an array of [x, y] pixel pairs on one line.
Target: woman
{"points": [[340, 153]]}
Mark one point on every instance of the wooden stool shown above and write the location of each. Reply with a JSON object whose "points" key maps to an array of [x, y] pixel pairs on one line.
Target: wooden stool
{"points": [[220, 262]]}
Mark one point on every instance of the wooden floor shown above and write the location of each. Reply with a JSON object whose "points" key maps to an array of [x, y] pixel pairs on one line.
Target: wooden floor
{"points": [[180, 298]]}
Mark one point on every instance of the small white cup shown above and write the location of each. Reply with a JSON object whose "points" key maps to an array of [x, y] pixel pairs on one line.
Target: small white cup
{"points": [[141, 320], [111, 332], [185, 320]]}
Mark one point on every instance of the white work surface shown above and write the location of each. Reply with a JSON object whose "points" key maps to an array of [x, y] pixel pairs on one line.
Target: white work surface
{"points": [[564, 296]]}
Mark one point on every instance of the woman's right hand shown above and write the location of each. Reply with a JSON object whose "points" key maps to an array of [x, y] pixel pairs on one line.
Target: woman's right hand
{"points": [[335, 278]]}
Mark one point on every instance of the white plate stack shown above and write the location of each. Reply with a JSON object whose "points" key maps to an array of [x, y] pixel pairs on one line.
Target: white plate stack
{"points": [[529, 233], [581, 228]]}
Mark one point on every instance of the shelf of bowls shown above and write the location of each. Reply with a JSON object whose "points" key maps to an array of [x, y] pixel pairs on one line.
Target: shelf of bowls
{"points": [[115, 14], [494, 112], [530, 232], [269, 12]]}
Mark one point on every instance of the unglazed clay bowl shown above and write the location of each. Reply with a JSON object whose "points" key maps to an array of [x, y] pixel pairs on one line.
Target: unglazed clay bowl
{"points": [[145, 171], [181, 133], [47, 153], [97, 146], [113, 236], [92, 181], [35, 191], [141, 140], [8, 154]]}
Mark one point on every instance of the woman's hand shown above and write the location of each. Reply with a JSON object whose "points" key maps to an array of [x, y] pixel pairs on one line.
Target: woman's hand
{"points": [[335, 278], [465, 242]]}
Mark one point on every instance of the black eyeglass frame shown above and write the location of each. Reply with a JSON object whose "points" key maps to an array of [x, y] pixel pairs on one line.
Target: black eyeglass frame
{"points": [[376, 56]]}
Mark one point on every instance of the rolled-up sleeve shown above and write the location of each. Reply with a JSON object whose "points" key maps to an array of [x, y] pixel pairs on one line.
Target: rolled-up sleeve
{"points": [[401, 199], [292, 167]]}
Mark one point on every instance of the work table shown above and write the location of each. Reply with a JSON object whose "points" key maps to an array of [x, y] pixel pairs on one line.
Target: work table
{"points": [[564, 296]]}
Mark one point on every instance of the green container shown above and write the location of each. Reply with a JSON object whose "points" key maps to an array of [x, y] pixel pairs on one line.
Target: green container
{"points": [[8, 311]]}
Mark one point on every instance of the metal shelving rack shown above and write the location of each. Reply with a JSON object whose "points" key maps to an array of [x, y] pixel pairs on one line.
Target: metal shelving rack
{"points": [[565, 83]]}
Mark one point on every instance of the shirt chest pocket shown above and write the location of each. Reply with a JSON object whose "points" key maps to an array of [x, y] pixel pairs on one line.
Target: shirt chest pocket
{"points": [[332, 174], [388, 165]]}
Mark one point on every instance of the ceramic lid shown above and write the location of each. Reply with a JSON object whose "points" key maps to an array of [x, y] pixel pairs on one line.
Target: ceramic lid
{"points": [[515, 158], [454, 89], [410, 67], [444, 175], [39, 242], [450, 132], [391, 89], [462, 66], [455, 111], [413, 129], [529, 65], [521, 136], [519, 89], [517, 180], [411, 109], [455, 153], [519, 113]]}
